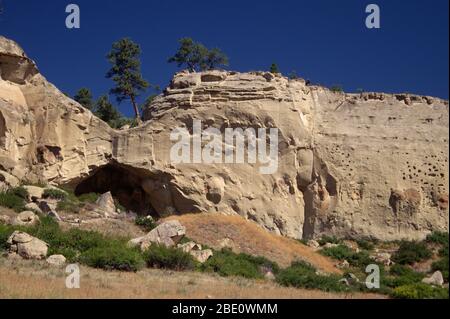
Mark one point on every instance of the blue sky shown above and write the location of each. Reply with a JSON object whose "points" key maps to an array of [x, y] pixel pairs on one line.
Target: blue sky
{"points": [[325, 41]]}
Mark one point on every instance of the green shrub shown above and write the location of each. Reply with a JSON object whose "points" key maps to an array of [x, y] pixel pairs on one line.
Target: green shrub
{"points": [[438, 237], [303, 275], [410, 252], [159, 256], [365, 244], [11, 200], [402, 275], [342, 252], [54, 193], [114, 256], [146, 222], [19, 192], [329, 239], [5, 232], [227, 263], [88, 197], [419, 291]]}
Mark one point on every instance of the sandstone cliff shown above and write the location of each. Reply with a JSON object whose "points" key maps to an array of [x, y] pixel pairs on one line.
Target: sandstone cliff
{"points": [[371, 164]]}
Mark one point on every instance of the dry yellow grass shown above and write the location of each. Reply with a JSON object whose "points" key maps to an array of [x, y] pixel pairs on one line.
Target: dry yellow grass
{"points": [[32, 279], [248, 237]]}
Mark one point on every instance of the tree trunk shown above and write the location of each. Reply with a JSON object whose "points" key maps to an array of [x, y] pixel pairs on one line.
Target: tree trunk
{"points": [[136, 110]]}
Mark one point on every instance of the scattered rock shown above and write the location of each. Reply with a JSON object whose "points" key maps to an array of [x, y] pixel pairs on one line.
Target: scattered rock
{"points": [[26, 218], [27, 246], [7, 181], [188, 247], [382, 258], [344, 281], [168, 234], [269, 276], [33, 207], [352, 279], [313, 243], [4, 219], [106, 203], [330, 245], [437, 279], [47, 206], [343, 265], [56, 260], [201, 255], [34, 192]]}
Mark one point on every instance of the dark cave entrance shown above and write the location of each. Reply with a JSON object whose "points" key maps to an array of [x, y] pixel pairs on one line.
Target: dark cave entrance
{"points": [[125, 185]]}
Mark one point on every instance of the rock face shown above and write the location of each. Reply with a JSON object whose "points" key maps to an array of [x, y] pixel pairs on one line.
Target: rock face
{"points": [[168, 234], [368, 164], [27, 246]]}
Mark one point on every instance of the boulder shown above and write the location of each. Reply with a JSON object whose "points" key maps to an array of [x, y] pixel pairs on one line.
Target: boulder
{"points": [[34, 192], [201, 255], [27, 246], [26, 218], [106, 203], [33, 207], [168, 234], [195, 250], [436, 279], [382, 258], [56, 260], [4, 219], [8, 181], [343, 265]]}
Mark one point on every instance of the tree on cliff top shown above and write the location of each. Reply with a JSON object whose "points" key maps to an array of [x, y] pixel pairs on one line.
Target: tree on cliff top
{"points": [[126, 72], [84, 97], [197, 57], [274, 68]]}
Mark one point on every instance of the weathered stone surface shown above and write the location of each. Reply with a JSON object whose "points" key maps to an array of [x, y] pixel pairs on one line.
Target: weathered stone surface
{"points": [[5, 220], [34, 192], [26, 218], [357, 165], [196, 251], [27, 246], [168, 234], [437, 279], [56, 260], [33, 207], [106, 203]]}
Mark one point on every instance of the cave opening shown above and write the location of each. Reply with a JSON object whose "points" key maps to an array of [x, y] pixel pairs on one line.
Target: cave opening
{"points": [[125, 185]]}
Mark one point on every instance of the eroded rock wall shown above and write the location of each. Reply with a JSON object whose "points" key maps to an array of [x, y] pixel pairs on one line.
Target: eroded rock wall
{"points": [[350, 165]]}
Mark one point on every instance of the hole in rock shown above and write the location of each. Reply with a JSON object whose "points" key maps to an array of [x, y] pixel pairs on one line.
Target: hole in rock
{"points": [[125, 185]]}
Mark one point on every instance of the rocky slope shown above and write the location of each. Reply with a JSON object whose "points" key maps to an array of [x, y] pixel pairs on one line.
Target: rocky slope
{"points": [[371, 164]]}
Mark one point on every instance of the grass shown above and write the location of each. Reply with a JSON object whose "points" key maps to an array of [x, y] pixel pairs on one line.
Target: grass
{"points": [[341, 252], [226, 263], [410, 252], [248, 237], [329, 239], [401, 275], [419, 291], [54, 194], [303, 275], [70, 203], [14, 199], [438, 237]]}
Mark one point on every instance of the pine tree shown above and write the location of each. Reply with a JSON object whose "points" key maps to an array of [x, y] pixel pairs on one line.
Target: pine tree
{"points": [[106, 111], [126, 73], [197, 57], [274, 69], [84, 97]]}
